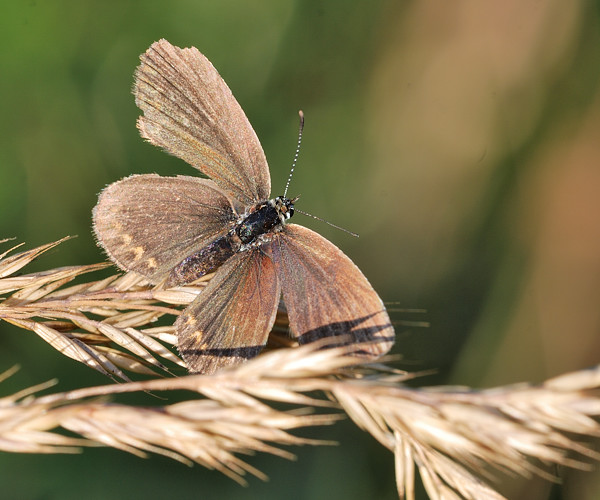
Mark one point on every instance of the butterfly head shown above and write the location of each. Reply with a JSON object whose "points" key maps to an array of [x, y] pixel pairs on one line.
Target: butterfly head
{"points": [[284, 207]]}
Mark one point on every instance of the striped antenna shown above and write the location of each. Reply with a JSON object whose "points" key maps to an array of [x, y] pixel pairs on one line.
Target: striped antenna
{"points": [[301, 113], [297, 151], [325, 221]]}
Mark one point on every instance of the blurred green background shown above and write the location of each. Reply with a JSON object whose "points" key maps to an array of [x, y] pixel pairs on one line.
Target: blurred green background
{"points": [[461, 140]]}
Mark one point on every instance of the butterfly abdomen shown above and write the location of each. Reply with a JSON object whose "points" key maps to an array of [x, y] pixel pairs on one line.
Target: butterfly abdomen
{"points": [[204, 261]]}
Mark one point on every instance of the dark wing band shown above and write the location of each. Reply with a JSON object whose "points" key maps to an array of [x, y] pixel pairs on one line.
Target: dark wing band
{"points": [[230, 321], [326, 295]]}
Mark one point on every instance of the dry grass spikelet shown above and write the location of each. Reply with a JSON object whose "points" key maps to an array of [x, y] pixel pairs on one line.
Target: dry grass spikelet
{"points": [[446, 434]]}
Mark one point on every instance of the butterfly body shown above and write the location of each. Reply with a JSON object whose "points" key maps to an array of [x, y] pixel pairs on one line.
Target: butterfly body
{"points": [[173, 230], [251, 230]]}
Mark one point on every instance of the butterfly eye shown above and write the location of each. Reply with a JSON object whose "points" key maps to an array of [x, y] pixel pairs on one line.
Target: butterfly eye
{"points": [[285, 206], [289, 208]]}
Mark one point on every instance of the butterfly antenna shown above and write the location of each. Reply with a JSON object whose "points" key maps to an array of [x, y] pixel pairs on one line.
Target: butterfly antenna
{"points": [[297, 151], [325, 221]]}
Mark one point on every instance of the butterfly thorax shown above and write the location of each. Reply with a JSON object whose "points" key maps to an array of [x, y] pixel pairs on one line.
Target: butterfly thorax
{"points": [[252, 229], [266, 217]]}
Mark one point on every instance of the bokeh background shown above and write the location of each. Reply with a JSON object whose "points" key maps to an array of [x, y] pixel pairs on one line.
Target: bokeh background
{"points": [[460, 139]]}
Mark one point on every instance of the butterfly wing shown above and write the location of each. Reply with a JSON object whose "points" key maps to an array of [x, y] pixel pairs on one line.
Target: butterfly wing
{"points": [[230, 320], [149, 223], [190, 112], [326, 295]]}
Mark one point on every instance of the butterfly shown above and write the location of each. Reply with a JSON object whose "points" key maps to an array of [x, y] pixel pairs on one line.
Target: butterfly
{"points": [[174, 230]]}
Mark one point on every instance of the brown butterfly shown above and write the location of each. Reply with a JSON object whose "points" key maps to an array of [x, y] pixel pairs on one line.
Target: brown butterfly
{"points": [[177, 229]]}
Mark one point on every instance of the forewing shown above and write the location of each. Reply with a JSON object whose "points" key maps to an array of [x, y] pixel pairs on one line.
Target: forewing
{"points": [[230, 320], [326, 295], [190, 112], [148, 223]]}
